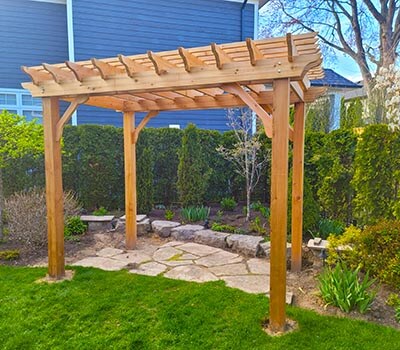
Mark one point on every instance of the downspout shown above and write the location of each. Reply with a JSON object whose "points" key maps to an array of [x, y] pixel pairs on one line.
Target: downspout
{"points": [[242, 20]]}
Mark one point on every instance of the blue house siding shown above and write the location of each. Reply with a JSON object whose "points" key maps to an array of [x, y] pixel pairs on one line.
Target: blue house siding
{"points": [[30, 33], [104, 28]]}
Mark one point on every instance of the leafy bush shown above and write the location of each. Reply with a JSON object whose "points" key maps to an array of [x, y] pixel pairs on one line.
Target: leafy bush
{"points": [[193, 214], [327, 227], [375, 249], [74, 226], [9, 254], [100, 211], [343, 288], [223, 228], [228, 204], [26, 216], [257, 226], [169, 214], [262, 209]]}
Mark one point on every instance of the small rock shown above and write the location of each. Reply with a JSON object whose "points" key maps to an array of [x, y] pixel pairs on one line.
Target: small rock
{"points": [[211, 238], [317, 240], [244, 244], [143, 227], [185, 232], [163, 228], [191, 273]]}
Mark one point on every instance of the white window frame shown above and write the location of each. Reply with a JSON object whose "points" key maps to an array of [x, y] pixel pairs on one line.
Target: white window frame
{"points": [[19, 106]]}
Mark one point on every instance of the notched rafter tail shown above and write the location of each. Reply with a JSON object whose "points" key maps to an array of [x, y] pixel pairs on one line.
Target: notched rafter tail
{"points": [[254, 52], [190, 60], [132, 67], [81, 72], [106, 70], [161, 65], [221, 57], [292, 51], [36, 76]]}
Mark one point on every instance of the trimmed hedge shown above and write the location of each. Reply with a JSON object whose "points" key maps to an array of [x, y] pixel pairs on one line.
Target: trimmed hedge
{"points": [[348, 177]]}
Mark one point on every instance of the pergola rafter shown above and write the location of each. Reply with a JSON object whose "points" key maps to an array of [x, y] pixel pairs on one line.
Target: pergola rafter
{"points": [[265, 75]]}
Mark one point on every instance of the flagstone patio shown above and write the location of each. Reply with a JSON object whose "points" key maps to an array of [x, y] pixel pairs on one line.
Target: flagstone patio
{"points": [[189, 262]]}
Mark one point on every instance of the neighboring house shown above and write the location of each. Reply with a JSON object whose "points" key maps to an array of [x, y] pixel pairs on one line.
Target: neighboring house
{"points": [[53, 31], [337, 88]]}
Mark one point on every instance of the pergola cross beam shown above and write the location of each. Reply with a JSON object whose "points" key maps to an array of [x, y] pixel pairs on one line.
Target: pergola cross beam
{"points": [[215, 76]]}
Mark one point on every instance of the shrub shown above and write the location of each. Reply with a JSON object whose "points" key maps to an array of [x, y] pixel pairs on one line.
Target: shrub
{"points": [[327, 227], [9, 254], [343, 288], [26, 216], [193, 214], [375, 249], [100, 211], [257, 226], [263, 210], [223, 228], [193, 171], [341, 248], [169, 214], [74, 226], [228, 204]]}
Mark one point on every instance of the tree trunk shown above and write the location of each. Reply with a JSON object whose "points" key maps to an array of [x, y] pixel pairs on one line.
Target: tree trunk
{"points": [[248, 194], [1, 204]]}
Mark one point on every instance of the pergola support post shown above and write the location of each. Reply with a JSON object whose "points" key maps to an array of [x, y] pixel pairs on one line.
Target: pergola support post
{"points": [[54, 189], [130, 180], [297, 187], [279, 198]]}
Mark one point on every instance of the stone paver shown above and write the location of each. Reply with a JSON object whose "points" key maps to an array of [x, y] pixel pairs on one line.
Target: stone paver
{"points": [[219, 258], [109, 252], [254, 284], [191, 273], [107, 264], [198, 249], [166, 253], [150, 269], [229, 270], [133, 257], [258, 266], [191, 261]]}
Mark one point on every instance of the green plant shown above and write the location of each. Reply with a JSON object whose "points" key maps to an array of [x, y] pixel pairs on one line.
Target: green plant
{"points": [[257, 226], [223, 228], [74, 226], [344, 288], [193, 169], [100, 211], [228, 204], [194, 214], [169, 214], [328, 227], [219, 215], [9, 254]]}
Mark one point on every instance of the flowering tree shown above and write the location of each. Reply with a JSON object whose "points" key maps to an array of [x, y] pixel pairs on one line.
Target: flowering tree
{"points": [[245, 155]]}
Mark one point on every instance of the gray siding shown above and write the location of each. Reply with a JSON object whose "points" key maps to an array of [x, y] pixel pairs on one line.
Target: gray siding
{"points": [[30, 33], [104, 28]]}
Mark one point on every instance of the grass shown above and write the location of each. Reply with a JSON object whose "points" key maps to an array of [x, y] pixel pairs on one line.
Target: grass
{"points": [[118, 310]]}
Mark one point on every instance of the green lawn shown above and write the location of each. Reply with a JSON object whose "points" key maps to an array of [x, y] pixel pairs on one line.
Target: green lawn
{"points": [[118, 310]]}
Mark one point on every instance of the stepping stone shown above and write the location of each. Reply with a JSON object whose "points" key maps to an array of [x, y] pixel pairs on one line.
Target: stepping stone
{"points": [[244, 244], [166, 253], [258, 266], [109, 252], [191, 273], [150, 269], [188, 256], [211, 238], [106, 264], [172, 244], [219, 258], [255, 284], [163, 228], [185, 232], [229, 270], [133, 257], [198, 249]]}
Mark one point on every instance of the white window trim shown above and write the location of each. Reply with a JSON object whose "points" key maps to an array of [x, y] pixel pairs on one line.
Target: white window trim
{"points": [[71, 47], [19, 107], [62, 2]]}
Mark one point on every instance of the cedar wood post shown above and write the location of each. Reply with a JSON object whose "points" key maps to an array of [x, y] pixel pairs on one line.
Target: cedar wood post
{"points": [[130, 179], [54, 189], [297, 187], [279, 198]]}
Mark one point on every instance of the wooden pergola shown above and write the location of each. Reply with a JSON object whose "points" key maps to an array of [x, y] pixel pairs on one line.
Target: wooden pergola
{"points": [[268, 76]]}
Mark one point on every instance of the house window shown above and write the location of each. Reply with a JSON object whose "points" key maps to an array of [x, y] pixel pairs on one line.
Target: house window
{"points": [[22, 103]]}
